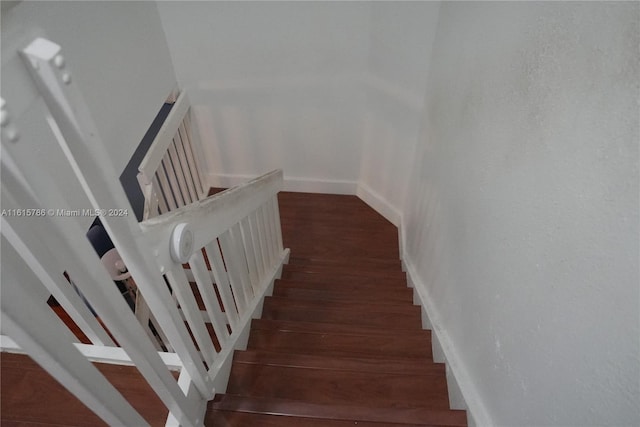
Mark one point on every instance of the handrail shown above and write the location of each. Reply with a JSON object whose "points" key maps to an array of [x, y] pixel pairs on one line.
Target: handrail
{"points": [[232, 242], [227, 206]]}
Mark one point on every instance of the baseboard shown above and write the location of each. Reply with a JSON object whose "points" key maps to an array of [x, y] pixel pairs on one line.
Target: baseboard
{"points": [[378, 203], [297, 184], [463, 394]]}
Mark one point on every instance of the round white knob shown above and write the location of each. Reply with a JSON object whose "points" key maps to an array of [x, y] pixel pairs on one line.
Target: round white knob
{"points": [[181, 243]]}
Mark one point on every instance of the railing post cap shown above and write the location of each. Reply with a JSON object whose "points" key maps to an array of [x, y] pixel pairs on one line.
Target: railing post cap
{"points": [[181, 243]]}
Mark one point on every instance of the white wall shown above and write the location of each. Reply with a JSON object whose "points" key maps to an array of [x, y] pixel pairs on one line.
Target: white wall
{"points": [[521, 222], [117, 54], [274, 85], [401, 37]]}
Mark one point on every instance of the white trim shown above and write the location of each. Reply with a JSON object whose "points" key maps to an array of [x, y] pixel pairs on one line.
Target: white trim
{"points": [[462, 388], [297, 184], [378, 203], [98, 353]]}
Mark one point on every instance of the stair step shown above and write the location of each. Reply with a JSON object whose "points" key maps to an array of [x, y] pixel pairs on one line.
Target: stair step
{"points": [[360, 364], [356, 285], [380, 315], [336, 328], [381, 390], [294, 271], [333, 294], [231, 418], [309, 414], [353, 261], [344, 279], [400, 346]]}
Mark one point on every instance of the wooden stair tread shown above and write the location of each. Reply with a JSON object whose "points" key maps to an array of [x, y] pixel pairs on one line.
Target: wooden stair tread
{"points": [[360, 415], [361, 364], [399, 347], [400, 307], [353, 261], [359, 285], [336, 269], [31, 395], [317, 275], [299, 292], [220, 418], [380, 317], [340, 387], [340, 329]]}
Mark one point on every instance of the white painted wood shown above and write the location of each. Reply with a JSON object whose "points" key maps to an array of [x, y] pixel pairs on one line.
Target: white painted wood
{"points": [[254, 275], [222, 283], [49, 343], [205, 288], [241, 259], [193, 165], [151, 161], [268, 233], [186, 170], [165, 186], [239, 336], [270, 212], [98, 353], [227, 207], [198, 153], [44, 262], [162, 203], [85, 152], [177, 167], [235, 279], [172, 175], [276, 215], [181, 288], [260, 243], [90, 276]]}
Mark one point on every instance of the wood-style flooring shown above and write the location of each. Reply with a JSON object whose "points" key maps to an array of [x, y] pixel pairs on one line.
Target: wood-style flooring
{"points": [[339, 343]]}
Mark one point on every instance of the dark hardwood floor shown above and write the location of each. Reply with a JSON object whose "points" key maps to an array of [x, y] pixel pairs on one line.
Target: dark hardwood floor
{"points": [[340, 342]]}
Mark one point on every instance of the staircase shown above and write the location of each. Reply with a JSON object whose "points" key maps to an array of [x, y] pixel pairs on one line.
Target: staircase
{"points": [[340, 342]]}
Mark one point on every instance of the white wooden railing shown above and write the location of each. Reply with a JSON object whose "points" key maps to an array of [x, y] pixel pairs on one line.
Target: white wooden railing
{"points": [[170, 175], [236, 233]]}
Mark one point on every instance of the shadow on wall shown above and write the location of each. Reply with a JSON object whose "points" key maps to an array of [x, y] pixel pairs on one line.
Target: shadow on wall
{"points": [[308, 126]]}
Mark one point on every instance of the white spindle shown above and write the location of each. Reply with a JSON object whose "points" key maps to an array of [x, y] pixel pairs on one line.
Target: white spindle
{"points": [[181, 288], [196, 146], [278, 226], [233, 269], [173, 180], [43, 262], [268, 234], [86, 153], [245, 229], [182, 184], [162, 203], [165, 186], [40, 333], [207, 292], [222, 283], [259, 242], [182, 155], [193, 166]]}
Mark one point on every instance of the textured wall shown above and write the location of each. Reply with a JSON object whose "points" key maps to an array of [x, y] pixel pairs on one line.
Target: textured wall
{"points": [[521, 222], [117, 53], [401, 37], [275, 85]]}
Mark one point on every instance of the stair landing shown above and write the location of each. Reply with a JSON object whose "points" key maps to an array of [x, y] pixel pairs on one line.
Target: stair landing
{"points": [[340, 342]]}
